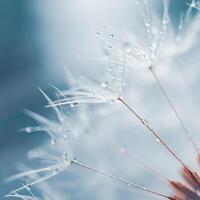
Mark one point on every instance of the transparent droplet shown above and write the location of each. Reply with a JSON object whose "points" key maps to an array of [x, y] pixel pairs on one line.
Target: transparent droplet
{"points": [[104, 84], [53, 141], [110, 69], [144, 121], [147, 24], [144, 187], [56, 171], [164, 21], [111, 35], [66, 134], [127, 47], [73, 105], [157, 140], [65, 156], [28, 129], [98, 33], [192, 5], [110, 46], [28, 187], [75, 159]]}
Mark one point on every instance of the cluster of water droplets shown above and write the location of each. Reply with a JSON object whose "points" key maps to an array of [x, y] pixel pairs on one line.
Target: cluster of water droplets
{"points": [[116, 63]]}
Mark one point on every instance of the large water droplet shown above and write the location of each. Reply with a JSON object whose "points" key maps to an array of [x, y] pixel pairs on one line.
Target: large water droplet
{"points": [[28, 129]]}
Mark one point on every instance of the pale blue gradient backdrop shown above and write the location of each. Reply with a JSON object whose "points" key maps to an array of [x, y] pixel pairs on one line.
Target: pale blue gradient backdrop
{"points": [[25, 64]]}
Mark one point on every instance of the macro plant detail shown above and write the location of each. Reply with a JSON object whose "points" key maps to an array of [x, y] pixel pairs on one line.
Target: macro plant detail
{"points": [[75, 110]]}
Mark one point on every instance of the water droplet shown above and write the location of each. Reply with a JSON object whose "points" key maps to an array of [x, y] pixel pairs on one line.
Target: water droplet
{"points": [[109, 69], [110, 46], [66, 134], [28, 129], [56, 171], [127, 47], [111, 35], [67, 162], [192, 5], [98, 33], [73, 104], [144, 121], [157, 140], [64, 156], [75, 159], [28, 187], [104, 84], [53, 141], [147, 24], [144, 187]]}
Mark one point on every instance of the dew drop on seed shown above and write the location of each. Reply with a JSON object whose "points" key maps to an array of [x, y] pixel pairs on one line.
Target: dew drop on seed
{"points": [[66, 134], [72, 105], [147, 24], [144, 121], [127, 47], [53, 141], [56, 171], [144, 187], [98, 33], [104, 84], [65, 156], [157, 140], [112, 35], [75, 159], [28, 187], [28, 129], [110, 69]]}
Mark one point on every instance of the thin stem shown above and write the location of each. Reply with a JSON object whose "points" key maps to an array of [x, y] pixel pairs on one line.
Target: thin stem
{"points": [[153, 132], [147, 167], [128, 183], [169, 101]]}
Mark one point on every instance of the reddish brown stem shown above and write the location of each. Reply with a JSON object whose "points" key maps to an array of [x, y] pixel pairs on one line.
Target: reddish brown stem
{"points": [[152, 131]]}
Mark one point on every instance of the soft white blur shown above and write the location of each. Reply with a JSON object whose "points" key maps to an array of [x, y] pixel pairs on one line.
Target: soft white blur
{"points": [[69, 41]]}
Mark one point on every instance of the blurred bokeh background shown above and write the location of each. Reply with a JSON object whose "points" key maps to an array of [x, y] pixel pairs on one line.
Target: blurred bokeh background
{"points": [[38, 40]]}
